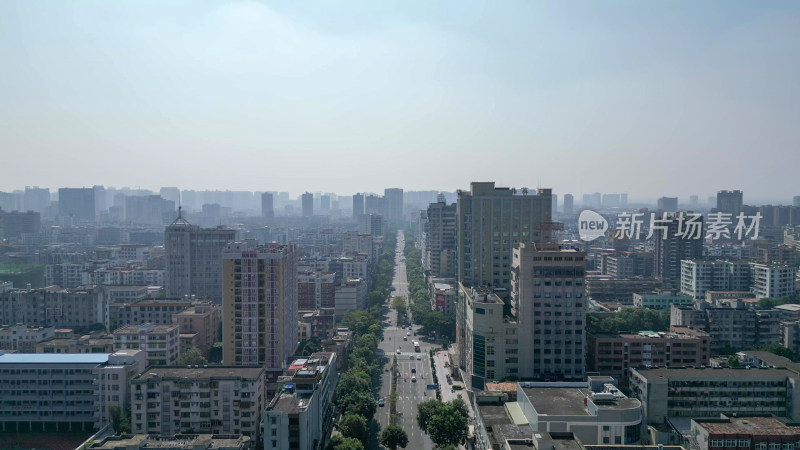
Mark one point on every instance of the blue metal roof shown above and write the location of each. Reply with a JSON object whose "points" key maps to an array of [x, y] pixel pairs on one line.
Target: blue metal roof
{"points": [[54, 358]]}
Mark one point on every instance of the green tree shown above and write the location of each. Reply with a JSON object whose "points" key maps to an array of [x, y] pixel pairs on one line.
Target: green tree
{"points": [[120, 421], [361, 403], [733, 361], [780, 350], [425, 412], [460, 406], [393, 437], [308, 346], [215, 352], [340, 442], [351, 382], [192, 357], [448, 427], [354, 426]]}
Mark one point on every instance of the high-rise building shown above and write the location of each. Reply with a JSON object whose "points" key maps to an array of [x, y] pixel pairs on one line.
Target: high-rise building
{"points": [[372, 224], [668, 204], [440, 243], [358, 205], [15, 224], [148, 210], [694, 201], [77, 202], [796, 200], [36, 199], [267, 206], [325, 203], [729, 202], [491, 221], [259, 309], [308, 204], [554, 205], [393, 201], [568, 203], [374, 204], [773, 280], [547, 300], [699, 276], [194, 259], [671, 248], [172, 194]]}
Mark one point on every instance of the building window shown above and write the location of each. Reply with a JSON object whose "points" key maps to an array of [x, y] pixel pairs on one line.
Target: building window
{"points": [[716, 443], [788, 446], [745, 443], [774, 446], [730, 443], [761, 446]]}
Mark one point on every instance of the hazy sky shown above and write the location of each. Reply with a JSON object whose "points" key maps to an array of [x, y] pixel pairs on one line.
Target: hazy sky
{"points": [[646, 97]]}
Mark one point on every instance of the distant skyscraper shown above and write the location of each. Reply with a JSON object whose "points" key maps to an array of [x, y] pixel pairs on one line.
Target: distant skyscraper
{"points": [[694, 201], [325, 203], [172, 194], [77, 202], [148, 210], [568, 201], [393, 201], [796, 201], [670, 250], [373, 204], [486, 232], [729, 202], [259, 311], [100, 199], [358, 206], [623, 199], [267, 206], [308, 204], [668, 204], [554, 205], [36, 199], [194, 259]]}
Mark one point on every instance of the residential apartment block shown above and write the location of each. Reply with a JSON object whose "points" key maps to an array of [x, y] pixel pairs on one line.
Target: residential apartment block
{"points": [[614, 355], [259, 313], [774, 281], [55, 307], [744, 432], [160, 343], [300, 416], [219, 400], [22, 339], [699, 276], [439, 253], [661, 299]]}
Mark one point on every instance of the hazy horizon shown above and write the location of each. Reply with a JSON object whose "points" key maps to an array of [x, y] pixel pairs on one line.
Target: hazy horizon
{"points": [[651, 98]]}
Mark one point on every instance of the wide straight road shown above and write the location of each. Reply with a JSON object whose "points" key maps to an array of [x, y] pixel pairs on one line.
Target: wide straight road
{"points": [[409, 364]]}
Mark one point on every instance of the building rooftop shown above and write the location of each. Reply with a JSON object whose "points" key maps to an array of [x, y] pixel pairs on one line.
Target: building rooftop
{"points": [[53, 358], [181, 441], [146, 328], [714, 372], [673, 334], [771, 426], [569, 401], [201, 372]]}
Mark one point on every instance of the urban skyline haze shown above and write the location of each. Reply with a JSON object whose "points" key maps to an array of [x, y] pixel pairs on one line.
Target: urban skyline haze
{"points": [[358, 96]]}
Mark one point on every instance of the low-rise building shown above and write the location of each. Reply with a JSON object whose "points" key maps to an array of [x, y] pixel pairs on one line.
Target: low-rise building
{"points": [[350, 296], [743, 432], [22, 339], [55, 307], [774, 281], [444, 293], [160, 343], [614, 355], [79, 389], [595, 411], [202, 319], [218, 400], [174, 442], [155, 311], [709, 392], [318, 324], [300, 415], [65, 340], [661, 299], [605, 288]]}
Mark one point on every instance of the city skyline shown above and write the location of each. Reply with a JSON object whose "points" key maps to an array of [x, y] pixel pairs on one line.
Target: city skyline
{"points": [[226, 95]]}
